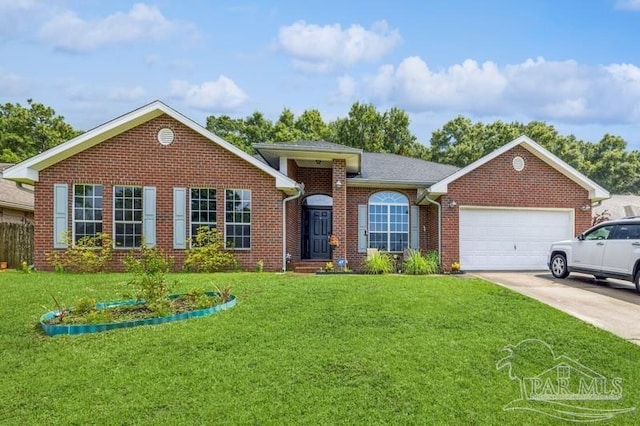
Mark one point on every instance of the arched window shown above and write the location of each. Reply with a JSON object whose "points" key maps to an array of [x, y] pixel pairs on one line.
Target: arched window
{"points": [[318, 200], [388, 221]]}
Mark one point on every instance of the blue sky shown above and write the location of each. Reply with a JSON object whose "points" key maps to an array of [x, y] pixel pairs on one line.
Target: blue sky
{"points": [[572, 63]]}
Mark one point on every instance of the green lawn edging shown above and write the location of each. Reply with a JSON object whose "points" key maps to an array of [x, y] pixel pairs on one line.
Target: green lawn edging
{"points": [[74, 329]]}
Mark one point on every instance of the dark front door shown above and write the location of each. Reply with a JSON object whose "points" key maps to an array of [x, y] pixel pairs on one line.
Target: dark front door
{"points": [[316, 223]]}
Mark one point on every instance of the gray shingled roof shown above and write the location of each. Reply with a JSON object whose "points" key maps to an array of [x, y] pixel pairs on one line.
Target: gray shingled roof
{"points": [[308, 145], [396, 168], [13, 197]]}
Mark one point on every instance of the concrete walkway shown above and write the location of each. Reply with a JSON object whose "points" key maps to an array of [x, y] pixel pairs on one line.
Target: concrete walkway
{"points": [[611, 305]]}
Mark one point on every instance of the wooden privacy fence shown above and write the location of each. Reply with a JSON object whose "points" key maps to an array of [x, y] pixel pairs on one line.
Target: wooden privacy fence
{"points": [[16, 244]]}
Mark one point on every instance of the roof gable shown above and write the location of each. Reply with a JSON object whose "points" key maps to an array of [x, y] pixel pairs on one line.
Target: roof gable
{"points": [[28, 170], [596, 192]]}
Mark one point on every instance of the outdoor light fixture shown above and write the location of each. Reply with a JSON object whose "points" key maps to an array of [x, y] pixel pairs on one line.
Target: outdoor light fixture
{"points": [[452, 204], [339, 183], [585, 208]]}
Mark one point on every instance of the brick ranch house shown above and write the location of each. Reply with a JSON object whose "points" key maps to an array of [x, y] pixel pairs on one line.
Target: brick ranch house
{"points": [[154, 175]]}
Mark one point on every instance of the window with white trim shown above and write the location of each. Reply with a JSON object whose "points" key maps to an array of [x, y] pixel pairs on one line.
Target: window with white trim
{"points": [[203, 209], [237, 214], [87, 211], [389, 221], [127, 216]]}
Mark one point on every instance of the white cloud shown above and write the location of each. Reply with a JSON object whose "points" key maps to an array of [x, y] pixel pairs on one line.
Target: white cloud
{"points": [[558, 90], [127, 94], [67, 31], [628, 4], [16, 15], [220, 95], [316, 48], [12, 84], [346, 91]]}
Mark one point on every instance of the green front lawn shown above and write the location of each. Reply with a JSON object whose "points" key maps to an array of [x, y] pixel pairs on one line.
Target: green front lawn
{"points": [[295, 350]]}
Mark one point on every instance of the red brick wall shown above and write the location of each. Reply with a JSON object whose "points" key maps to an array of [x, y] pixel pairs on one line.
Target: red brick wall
{"points": [[136, 158], [498, 184], [340, 208]]}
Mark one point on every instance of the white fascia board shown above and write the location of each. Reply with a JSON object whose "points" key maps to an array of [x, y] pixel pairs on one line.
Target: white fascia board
{"points": [[596, 192], [27, 171], [370, 183]]}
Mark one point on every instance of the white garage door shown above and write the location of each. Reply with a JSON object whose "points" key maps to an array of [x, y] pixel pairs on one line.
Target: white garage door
{"points": [[510, 239]]}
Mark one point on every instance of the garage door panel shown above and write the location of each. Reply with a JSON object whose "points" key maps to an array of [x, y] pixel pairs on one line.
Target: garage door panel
{"points": [[510, 239]]}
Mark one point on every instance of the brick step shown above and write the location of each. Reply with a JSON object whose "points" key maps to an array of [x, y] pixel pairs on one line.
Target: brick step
{"points": [[308, 266]]}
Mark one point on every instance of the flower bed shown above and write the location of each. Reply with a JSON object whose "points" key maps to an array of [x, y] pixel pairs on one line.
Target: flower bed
{"points": [[47, 321]]}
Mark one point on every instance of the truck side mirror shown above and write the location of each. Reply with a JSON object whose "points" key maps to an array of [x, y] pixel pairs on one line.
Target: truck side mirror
{"points": [[580, 237]]}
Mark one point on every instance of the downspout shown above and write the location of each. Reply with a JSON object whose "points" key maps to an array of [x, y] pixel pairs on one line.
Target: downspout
{"points": [[439, 228], [300, 189]]}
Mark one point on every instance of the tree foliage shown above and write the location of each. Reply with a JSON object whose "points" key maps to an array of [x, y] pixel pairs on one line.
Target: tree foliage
{"points": [[27, 131], [607, 162]]}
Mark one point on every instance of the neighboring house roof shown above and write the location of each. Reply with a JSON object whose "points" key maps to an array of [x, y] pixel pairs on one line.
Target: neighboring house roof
{"points": [[12, 196], [619, 206], [27, 171], [596, 192]]}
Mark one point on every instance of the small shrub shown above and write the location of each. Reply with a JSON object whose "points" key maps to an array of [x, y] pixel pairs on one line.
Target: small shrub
{"points": [[149, 266], [84, 305], [88, 254], [328, 266], [208, 253], [224, 293], [378, 263], [260, 266], [148, 260], [25, 267], [417, 263]]}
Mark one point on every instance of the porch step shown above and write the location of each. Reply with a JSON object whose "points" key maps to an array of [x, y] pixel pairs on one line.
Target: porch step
{"points": [[308, 266]]}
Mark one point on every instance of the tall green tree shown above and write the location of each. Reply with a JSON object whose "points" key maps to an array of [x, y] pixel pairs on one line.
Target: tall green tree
{"points": [[362, 128], [285, 130], [27, 131], [312, 126]]}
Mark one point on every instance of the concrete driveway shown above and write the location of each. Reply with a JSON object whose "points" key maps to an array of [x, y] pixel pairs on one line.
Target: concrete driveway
{"points": [[611, 305]]}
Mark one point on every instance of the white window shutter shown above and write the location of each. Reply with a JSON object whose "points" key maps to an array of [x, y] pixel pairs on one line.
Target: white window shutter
{"points": [[60, 215], [149, 216], [179, 218], [362, 228], [414, 218]]}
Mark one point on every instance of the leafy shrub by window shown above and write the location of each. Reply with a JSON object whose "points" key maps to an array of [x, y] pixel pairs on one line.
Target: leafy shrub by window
{"points": [[88, 254], [415, 263], [208, 253], [378, 263]]}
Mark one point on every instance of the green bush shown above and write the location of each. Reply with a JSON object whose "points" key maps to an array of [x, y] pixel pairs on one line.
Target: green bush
{"points": [[415, 263], [84, 305], [148, 260], [149, 265], [88, 254], [208, 253], [378, 263]]}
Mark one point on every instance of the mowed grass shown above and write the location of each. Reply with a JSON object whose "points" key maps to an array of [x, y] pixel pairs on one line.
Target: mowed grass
{"points": [[295, 350]]}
